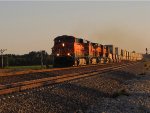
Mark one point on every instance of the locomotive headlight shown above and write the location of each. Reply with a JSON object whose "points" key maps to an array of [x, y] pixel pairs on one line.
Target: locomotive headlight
{"points": [[57, 54], [63, 44], [68, 54]]}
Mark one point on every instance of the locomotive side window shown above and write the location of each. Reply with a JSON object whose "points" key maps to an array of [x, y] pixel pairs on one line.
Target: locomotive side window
{"points": [[63, 39]]}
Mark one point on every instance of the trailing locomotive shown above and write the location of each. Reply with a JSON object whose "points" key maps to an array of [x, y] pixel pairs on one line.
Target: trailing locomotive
{"points": [[72, 51]]}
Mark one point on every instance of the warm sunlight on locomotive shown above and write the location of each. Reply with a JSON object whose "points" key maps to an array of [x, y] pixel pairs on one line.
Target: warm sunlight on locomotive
{"points": [[73, 51]]}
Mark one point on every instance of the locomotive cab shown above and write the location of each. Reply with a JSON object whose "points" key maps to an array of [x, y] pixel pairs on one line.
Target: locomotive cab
{"points": [[63, 51]]}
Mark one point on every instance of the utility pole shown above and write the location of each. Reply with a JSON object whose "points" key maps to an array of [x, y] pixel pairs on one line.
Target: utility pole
{"points": [[146, 51], [41, 59], [2, 51], [7, 61]]}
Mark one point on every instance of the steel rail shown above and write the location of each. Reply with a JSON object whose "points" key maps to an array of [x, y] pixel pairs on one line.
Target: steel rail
{"points": [[25, 85], [55, 69]]}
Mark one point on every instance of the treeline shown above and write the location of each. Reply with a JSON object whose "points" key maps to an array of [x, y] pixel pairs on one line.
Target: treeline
{"points": [[32, 58]]}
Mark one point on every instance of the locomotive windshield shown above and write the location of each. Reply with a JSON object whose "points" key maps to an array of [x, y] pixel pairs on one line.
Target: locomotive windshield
{"points": [[62, 39]]}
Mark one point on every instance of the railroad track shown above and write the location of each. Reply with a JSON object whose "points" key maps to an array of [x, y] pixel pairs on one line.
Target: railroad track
{"points": [[49, 70], [25, 85], [49, 73], [52, 69]]}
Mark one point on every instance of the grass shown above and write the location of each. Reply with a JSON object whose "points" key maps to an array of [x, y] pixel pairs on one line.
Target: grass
{"points": [[26, 67]]}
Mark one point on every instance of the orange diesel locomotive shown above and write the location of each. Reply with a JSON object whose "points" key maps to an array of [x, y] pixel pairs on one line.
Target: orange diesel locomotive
{"points": [[71, 51]]}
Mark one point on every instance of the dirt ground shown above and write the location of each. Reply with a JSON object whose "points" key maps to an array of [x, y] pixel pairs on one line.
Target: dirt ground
{"points": [[123, 91]]}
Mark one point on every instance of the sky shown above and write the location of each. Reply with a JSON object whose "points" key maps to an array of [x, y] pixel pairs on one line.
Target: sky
{"points": [[32, 26]]}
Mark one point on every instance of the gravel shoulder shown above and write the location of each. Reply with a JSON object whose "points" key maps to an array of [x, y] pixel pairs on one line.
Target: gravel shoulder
{"points": [[122, 91]]}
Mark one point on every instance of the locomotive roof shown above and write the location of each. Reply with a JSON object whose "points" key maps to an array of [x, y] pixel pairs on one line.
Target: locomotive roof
{"points": [[69, 37], [64, 36], [74, 38]]}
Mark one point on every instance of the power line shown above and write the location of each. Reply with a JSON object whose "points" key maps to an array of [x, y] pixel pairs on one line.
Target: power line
{"points": [[2, 51]]}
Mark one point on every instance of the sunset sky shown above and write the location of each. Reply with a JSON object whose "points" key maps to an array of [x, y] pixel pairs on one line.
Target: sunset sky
{"points": [[32, 26]]}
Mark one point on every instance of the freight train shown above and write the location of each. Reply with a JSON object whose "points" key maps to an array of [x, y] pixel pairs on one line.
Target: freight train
{"points": [[72, 51]]}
